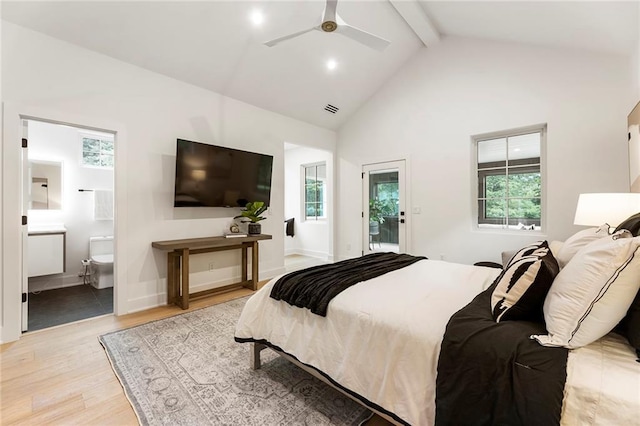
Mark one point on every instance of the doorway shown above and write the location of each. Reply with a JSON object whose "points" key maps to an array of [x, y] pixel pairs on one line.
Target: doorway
{"points": [[308, 206], [384, 218], [69, 238]]}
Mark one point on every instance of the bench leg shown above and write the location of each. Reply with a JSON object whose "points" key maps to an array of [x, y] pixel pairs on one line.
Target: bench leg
{"points": [[255, 355]]}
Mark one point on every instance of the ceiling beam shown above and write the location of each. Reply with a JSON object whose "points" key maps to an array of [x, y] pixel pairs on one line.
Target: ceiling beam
{"points": [[418, 20]]}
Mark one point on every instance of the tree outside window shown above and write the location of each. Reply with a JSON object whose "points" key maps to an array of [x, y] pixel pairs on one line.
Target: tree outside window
{"points": [[509, 180], [97, 151], [315, 177]]}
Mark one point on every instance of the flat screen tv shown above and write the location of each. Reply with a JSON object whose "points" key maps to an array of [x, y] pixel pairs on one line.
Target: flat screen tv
{"points": [[216, 176]]}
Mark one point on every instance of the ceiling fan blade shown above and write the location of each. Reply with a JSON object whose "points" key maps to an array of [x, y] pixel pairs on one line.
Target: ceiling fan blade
{"points": [[361, 36], [329, 13], [275, 41]]}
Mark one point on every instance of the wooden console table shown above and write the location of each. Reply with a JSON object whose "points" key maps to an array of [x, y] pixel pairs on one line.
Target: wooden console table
{"points": [[178, 264]]}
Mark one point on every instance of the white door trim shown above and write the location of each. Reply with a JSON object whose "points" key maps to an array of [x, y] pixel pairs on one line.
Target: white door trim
{"points": [[25, 184]]}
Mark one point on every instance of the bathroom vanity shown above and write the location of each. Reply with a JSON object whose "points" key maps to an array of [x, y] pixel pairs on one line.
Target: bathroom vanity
{"points": [[46, 249]]}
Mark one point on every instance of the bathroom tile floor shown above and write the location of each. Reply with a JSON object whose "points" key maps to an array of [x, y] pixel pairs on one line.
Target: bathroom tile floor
{"points": [[62, 305]]}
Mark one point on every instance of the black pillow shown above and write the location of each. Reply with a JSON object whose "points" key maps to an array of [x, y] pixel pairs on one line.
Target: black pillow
{"points": [[630, 325], [522, 286], [631, 224]]}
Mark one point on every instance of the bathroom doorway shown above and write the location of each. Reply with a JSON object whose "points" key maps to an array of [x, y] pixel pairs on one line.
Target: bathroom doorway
{"points": [[68, 191]]}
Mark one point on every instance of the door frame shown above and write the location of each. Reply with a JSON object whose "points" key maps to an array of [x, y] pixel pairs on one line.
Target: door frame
{"points": [[404, 231], [11, 213], [25, 180]]}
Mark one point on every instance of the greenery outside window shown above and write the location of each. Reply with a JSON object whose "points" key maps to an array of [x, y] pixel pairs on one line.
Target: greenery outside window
{"points": [[315, 184], [509, 179], [383, 196], [97, 151]]}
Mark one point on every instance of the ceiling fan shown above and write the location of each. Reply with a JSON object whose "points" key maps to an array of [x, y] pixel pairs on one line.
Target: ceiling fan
{"points": [[331, 22]]}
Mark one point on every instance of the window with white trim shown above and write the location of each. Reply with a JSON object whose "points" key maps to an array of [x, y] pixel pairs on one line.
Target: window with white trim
{"points": [[509, 179], [97, 151], [315, 184]]}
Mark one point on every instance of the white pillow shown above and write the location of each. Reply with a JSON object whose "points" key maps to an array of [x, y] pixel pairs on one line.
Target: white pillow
{"points": [[593, 292], [577, 241]]}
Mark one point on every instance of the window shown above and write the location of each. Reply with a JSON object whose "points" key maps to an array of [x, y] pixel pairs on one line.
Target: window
{"points": [[315, 177], [383, 196], [509, 179], [97, 151]]}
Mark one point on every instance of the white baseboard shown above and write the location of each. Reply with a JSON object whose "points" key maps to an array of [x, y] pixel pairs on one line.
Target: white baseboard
{"points": [[345, 257], [53, 282], [146, 302], [311, 253], [271, 273]]}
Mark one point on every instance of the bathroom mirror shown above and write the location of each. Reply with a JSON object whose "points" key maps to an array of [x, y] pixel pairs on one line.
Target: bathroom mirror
{"points": [[46, 185]]}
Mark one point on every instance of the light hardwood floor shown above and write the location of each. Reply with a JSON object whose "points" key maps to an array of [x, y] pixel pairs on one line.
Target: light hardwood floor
{"points": [[62, 376]]}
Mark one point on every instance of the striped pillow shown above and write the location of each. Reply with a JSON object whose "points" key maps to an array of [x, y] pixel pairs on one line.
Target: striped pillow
{"points": [[522, 286], [593, 292]]}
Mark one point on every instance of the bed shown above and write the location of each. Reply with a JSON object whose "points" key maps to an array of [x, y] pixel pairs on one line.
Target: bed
{"points": [[380, 343]]}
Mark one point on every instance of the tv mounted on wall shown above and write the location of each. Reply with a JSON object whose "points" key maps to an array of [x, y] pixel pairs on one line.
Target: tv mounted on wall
{"points": [[216, 176]]}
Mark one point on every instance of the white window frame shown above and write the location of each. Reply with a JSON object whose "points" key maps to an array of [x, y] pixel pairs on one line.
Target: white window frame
{"points": [[303, 198], [101, 137], [537, 128]]}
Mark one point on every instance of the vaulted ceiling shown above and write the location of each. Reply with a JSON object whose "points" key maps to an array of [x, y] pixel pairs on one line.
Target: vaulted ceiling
{"points": [[215, 44]]}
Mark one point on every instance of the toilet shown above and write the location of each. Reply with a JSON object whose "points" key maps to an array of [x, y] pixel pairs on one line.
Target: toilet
{"points": [[101, 255]]}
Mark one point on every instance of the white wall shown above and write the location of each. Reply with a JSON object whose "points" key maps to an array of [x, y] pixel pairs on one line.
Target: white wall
{"points": [[152, 111], [312, 238], [51, 142], [462, 87], [636, 60], [2, 214]]}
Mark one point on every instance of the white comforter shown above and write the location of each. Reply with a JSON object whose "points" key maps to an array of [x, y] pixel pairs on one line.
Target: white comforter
{"points": [[380, 339], [603, 384]]}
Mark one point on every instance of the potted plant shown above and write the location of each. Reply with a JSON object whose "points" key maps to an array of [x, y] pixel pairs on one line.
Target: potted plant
{"points": [[377, 211], [251, 215], [376, 217]]}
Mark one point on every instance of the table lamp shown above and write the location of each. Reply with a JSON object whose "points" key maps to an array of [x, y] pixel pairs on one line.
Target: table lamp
{"points": [[611, 208]]}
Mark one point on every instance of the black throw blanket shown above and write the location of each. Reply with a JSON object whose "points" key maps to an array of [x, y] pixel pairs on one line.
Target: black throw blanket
{"points": [[492, 374], [314, 287]]}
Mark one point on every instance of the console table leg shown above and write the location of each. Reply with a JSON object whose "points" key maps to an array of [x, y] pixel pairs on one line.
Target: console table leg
{"points": [[185, 279], [254, 266], [245, 274], [171, 277]]}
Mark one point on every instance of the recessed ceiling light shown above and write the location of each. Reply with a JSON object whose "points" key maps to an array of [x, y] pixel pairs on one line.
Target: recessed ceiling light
{"points": [[331, 64], [257, 17]]}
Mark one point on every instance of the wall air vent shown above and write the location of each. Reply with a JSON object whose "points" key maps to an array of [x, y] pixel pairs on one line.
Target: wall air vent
{"points": [[332, 109]]}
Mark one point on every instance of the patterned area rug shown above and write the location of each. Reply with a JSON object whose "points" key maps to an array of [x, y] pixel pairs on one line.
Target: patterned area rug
{"points": [[188, 370]]}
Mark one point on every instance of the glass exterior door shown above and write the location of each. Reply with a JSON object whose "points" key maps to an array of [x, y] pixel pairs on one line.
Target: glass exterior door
{"points": [[383, 215]]}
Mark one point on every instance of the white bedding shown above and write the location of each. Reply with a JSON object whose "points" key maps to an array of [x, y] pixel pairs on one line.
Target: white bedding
{"points": [[381, 339], [603, 384]]}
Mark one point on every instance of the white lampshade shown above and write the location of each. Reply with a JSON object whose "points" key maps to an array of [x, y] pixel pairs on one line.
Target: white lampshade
{"points": [[611, 208]]}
